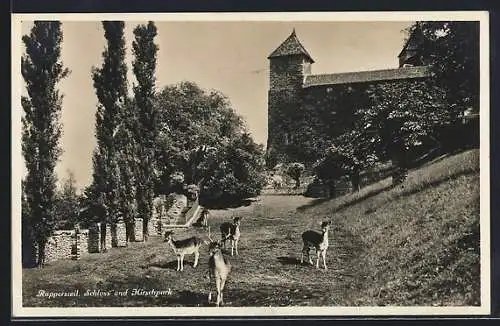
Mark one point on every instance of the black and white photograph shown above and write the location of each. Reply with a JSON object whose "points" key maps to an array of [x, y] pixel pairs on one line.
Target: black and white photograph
{"points": [[245, 164]]}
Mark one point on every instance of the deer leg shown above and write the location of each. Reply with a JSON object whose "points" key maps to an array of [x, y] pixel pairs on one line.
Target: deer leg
{"points": [[318, 254], [182, 263], [232, 247], [223, 283], [218, 283], [196, 256], [209, 285], [178, 263], [236, 246], [324, 258], [309, 256]]}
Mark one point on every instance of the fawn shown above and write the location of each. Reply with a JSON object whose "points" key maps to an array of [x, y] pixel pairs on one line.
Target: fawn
{"points": [[318, 241], [219, 268], [231, 231], [184, 247]]}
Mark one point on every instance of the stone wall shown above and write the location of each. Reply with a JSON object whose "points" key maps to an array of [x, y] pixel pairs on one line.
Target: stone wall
{"points": [[108, 242], [73, 244], [59, 245], [119, 235], [138, 229], [84, 241], [286, 77]]}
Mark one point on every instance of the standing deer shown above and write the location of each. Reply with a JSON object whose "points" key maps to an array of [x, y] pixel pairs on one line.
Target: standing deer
{"points": [[204, 217], [231, 231], [318, 241], [184, 247], [219, 268]]}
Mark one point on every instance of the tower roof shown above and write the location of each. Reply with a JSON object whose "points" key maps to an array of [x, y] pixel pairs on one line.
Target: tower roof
{"points": [[291, 46], [414, 41]]}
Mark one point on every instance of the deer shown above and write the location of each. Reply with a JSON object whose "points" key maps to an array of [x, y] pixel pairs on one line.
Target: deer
{"points": [[231, 231], [184, 247], [318, 241], [219, 268], [204, 217]]}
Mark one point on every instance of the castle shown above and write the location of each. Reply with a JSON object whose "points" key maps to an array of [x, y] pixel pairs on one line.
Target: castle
{"points": [[303, 106]]}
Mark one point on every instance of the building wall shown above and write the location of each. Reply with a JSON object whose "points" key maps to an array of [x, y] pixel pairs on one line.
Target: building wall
{"points": [[285, 80], [303, 121]]}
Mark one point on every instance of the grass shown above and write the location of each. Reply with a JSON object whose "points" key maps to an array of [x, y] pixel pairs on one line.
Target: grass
{"points": [[417, 245]]}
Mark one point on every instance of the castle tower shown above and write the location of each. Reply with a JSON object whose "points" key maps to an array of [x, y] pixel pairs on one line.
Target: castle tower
{"points": [[289, 64]]}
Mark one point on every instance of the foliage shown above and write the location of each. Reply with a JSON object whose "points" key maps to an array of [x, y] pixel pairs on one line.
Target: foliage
{"points": [[402, 116], [201, 136], [452, 50], [41, 69], [111, 89], [295, 171], [239, 173], [144, 66], [67, 205]]}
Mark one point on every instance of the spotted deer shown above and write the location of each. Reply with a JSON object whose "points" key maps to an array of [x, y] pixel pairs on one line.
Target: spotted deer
{"points": [[184, 247], [219, 268], [318, 241], [231, 231]]}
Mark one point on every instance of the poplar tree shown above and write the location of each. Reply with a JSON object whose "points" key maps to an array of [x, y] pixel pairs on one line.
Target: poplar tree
{"points": [[41, 69], [110, 83], [144, 66]]}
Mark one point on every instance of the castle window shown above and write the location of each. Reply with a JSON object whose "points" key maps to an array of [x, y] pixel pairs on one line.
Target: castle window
{"points": [[329, 90]]}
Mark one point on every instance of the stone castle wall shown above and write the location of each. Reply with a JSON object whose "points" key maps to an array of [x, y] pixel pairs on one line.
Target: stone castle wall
{"points": [[119, 235], [59, 245], [138, 229]]}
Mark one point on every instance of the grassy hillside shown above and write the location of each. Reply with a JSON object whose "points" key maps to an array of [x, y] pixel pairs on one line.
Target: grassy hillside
{"points": [[417, 245]]}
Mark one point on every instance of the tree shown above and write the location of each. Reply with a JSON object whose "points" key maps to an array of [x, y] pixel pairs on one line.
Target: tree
{"points": [[144, 66], [42, 69], [401, 117], [237, 174], [189, 118], [110, 84], [201, 136], [66, 210], [329, 169], [295, 170], [128, 166], [451, 48]]}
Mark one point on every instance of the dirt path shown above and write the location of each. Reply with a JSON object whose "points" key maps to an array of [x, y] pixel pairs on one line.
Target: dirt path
{"points": [[266, 273]]}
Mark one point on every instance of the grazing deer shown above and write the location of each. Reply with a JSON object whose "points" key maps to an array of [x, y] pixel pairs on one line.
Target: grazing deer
{"points": [[318, 241], [219, 268], [204, 217], [231, 231], [184, 247]]}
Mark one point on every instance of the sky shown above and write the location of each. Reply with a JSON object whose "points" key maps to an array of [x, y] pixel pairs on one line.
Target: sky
{"points": [[228, 56]]}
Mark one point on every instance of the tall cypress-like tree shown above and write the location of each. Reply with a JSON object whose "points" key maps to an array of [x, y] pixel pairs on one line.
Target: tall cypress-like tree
{"points": [[42, 69], [110, 83], [144, 66]]}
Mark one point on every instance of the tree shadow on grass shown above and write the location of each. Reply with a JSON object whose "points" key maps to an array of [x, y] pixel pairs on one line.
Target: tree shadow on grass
{"points": [[347, 204]]}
